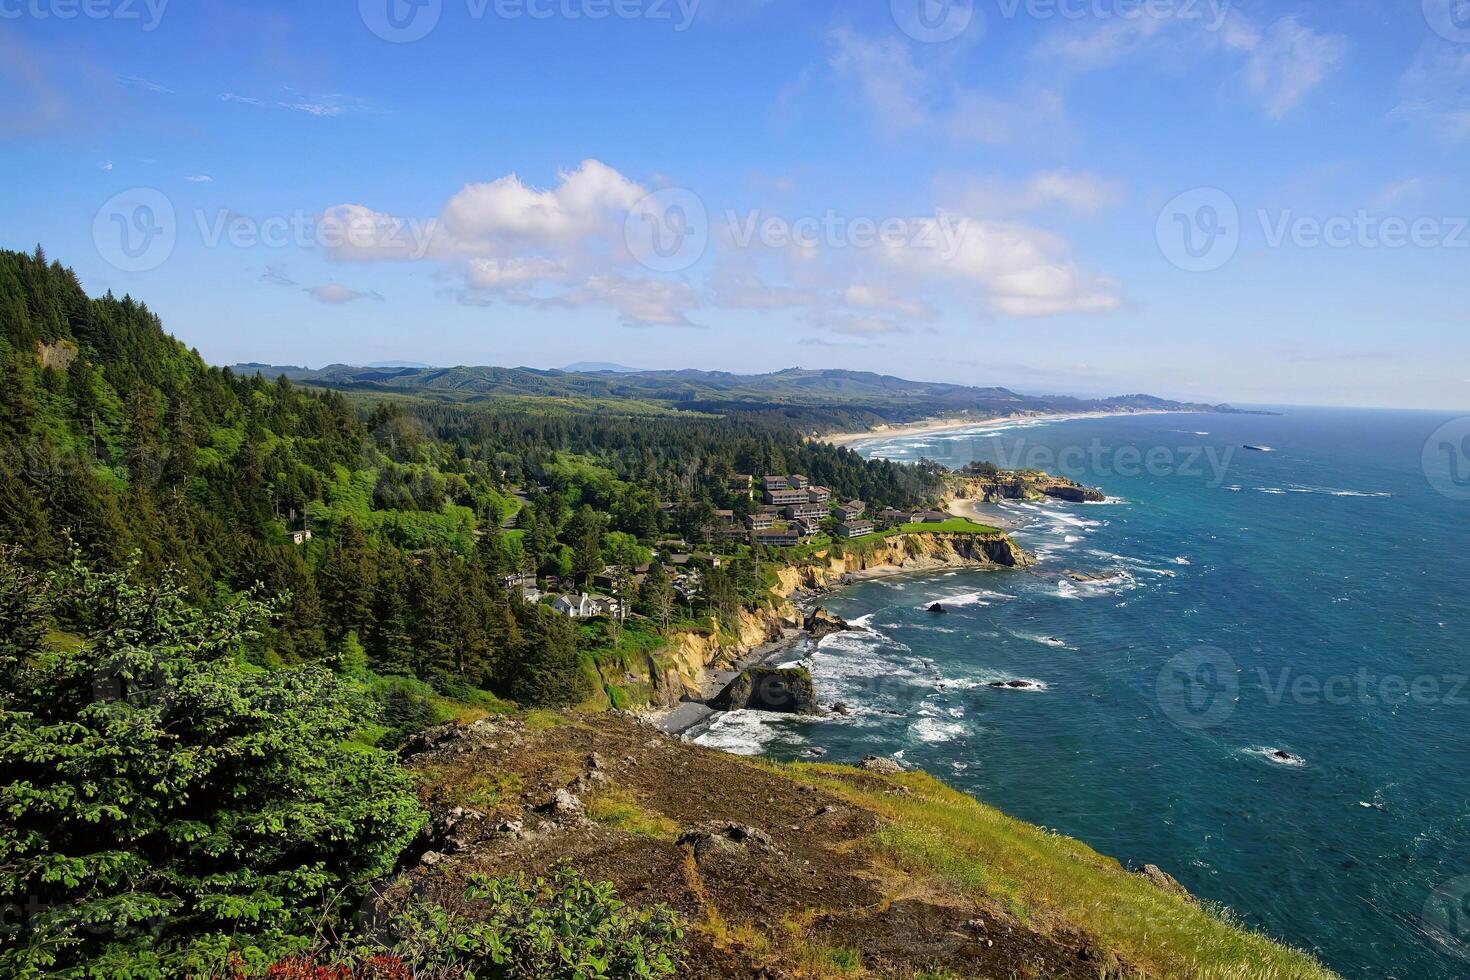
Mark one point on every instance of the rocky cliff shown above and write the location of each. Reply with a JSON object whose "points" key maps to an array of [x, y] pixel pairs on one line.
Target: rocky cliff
{"points": [[683, 670], [907, 552], [1022, 485]]}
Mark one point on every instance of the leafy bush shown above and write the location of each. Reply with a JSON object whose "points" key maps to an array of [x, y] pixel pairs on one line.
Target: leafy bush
{"points": [[163, 807], [522, 928]]}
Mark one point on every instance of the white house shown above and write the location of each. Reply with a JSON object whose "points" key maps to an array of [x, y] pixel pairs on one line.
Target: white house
{"points": [[585, 606]]}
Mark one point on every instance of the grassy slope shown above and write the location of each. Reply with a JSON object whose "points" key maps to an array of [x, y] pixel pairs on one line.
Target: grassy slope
{"points": [[1046, 878]]}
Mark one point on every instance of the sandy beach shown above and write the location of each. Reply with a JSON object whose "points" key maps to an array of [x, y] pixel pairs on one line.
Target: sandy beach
{"points": [[957, 424]]}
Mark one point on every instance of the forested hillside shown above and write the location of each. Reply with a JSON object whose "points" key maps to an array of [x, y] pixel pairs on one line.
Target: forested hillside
{"points": [[812, 400], [115, 439]]}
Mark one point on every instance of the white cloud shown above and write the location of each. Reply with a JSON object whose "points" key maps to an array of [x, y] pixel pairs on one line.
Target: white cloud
{"points": [[1283, 61], [516, 272], [336, 294], [1286, 62], [562, 248], [1080, 192], [105, 165], [200, 179], [1435, 90], [590, 201], [144, 84], [886, 299], [857, 325], [1022, 271], [884, 71], [1403, 191], [1037, 116]]}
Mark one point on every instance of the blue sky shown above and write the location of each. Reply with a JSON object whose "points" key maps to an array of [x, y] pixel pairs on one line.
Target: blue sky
{"points": [[1249, 202]]}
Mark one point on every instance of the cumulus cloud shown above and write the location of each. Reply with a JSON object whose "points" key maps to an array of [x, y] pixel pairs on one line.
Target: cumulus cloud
{"points": [[1022, 271], [590, 202], [562, 247]]}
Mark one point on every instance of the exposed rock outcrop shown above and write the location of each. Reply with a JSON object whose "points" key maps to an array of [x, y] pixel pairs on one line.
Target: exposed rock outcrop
{"points": [[820, 623], [787, 690], [915, 552], [1023, 485], [1166, 882], [880, 764]]}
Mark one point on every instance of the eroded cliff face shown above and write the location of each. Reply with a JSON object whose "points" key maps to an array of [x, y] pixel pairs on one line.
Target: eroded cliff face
{"points": [[1023, 485], [909, 552], [693, 657]]}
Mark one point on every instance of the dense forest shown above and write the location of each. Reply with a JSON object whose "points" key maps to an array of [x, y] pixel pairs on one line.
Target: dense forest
{"points": [[117, 440], [226, 596]]}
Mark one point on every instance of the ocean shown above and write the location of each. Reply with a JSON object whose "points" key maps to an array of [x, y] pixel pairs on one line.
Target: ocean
{"points": [[1255, 675]]}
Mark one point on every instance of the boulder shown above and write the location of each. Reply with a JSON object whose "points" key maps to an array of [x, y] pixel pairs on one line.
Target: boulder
{"points": [[881, 765], [1164, 881], [723, 836], [819, 623], [563, 804], [787, 690], [937, 608]]}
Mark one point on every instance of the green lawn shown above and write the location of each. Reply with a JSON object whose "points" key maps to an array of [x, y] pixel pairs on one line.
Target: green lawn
{"points": [[957, 525]]}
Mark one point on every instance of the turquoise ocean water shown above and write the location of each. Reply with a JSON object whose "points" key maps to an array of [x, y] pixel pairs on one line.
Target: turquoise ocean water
{"points": [[1312, 599]]}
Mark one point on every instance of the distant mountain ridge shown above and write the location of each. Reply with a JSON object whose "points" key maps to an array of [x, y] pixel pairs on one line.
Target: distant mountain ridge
{"points": [[817, 399]]}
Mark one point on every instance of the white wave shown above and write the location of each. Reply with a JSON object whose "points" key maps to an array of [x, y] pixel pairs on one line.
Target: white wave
{"points": [[932, 730], [1274, 755], [1050, 641], [1011, 683], [983, 597], [741, 732], [1181, 560]]}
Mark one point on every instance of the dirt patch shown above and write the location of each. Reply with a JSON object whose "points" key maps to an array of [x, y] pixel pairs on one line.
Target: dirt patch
{"points": [[775, 878]]}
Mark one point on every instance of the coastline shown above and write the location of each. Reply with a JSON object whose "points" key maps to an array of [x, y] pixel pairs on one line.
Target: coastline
{"points": [[690, 715], [958, 424]]}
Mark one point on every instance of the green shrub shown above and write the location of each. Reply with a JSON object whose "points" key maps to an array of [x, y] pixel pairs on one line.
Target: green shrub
{"points": [[522, 928], [163, 808]]}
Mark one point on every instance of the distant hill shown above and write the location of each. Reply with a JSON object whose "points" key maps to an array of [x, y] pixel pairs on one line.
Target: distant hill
{"points": [[816, 400], [596, 367]]}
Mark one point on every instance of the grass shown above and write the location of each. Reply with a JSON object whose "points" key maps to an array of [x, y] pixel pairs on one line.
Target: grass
{"points": [[620, 809], [481, 789], [1047, 879], [957, 525]]}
